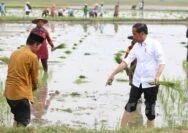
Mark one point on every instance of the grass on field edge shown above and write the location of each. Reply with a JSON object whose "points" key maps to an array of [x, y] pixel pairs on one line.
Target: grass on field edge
{"points": [[63, 129], [79, 19]]}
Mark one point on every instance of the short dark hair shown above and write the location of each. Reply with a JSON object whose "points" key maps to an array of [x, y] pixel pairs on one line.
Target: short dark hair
{"points": [[141, 27], [31, 42], [34, 39]]}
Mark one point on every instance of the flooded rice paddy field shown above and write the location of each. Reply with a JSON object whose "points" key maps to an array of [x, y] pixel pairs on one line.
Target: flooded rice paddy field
{"points": [[146, 14], [74, 92]]}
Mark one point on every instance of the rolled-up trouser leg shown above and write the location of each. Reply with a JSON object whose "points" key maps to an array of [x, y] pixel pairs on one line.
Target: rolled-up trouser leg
{"points": [[21, 111], [135, 94], [150, 95]]}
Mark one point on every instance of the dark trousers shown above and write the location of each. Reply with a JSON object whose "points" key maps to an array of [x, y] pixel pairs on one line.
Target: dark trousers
{"points": [[21, 110], [44, 64], [150, 95]]}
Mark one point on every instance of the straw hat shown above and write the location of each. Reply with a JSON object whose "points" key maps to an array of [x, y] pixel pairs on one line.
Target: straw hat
{"points": [[35, 21]]}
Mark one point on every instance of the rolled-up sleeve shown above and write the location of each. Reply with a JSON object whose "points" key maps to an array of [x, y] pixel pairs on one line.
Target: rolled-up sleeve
{"points": [[131, 57]]}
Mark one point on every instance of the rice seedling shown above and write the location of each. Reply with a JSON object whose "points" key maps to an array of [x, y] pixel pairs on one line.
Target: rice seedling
{"points": [[62, 57], [5, 114], [122, 80], [87, 53], [4, 59], [73, 48], [75, 44], [67, 52], [82, 77], [171, 96], [60, 46], [81, 80], [183, 42], [75, 94], [68, 110]]}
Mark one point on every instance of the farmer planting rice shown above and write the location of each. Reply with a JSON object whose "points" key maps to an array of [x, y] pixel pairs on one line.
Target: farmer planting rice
{"points": [[43, 51], [150, 65], [22, 79]]}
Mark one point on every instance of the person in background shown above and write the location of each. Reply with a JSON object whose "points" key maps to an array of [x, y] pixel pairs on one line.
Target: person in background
{"points": [[22, 79], [116, 10], [130, 70], [53, 10], [70, 12], [3, 9], [149, 67], [61, 12], [27, 8], [101, 10], [96, 9], [45, 12], [43, 51], [85, 10], [141, 5]]}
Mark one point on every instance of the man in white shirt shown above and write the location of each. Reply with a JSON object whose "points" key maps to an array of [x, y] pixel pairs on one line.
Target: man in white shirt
{"points": [[150, 65], [27, 8]]}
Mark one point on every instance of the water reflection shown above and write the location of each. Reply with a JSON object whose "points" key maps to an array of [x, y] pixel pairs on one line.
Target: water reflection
{"points": [[137, 117], [101, 28], [85, 27], [52, 27], [41, 103], [116, 27]]}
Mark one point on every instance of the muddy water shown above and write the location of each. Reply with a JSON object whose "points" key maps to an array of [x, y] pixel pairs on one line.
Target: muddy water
{"points": [[91, 46]]}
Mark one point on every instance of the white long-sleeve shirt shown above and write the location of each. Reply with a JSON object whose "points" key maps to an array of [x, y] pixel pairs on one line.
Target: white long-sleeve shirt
{"points": [[26, 8], [149, 56]]}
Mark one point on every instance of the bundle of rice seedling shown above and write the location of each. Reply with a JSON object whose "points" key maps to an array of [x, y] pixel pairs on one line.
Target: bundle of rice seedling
{"points": [[60, 46]]}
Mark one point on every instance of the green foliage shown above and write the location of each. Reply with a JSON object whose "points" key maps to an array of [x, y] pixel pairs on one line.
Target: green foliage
{"points": [[65, 129], [81, 19], [5, 116], [68, 110], [4, 60], [81, 79], [117, 57], [122, 80], [75, 94], [67, 52], [60, 46], [87, 53], [46, 3], [172, 98]]}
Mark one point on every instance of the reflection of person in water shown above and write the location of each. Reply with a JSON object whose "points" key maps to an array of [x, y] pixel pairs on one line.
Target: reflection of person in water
{"points": [[52, 26], [116, 27], [187, 43], [101, 28], [41, 103], [85, 26]]}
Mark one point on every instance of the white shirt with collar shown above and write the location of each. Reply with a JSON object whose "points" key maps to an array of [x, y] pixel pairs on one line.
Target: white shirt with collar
{"points": [[149, 56]]}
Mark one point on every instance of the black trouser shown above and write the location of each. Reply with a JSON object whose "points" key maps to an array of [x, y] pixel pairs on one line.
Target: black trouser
{"points": [[150, 95], [21, 110]]}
